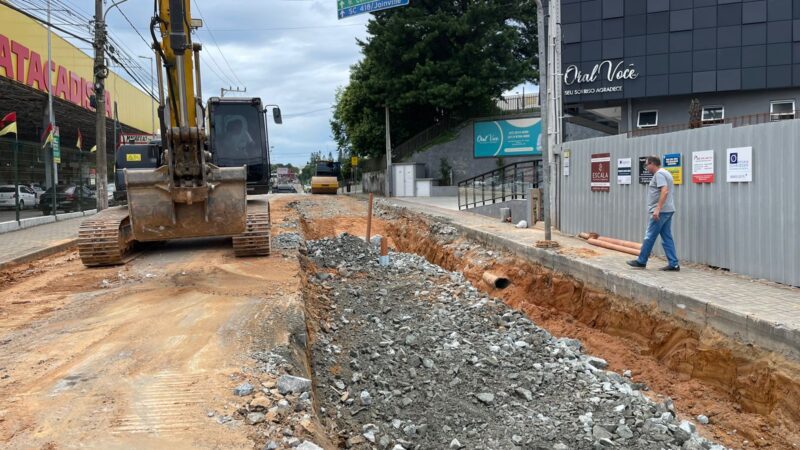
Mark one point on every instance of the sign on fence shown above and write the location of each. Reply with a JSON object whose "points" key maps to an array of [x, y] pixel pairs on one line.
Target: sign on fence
{"points": [[623, 170], [674, 165], [601, 172], [740, 165], [644, 175], [518, 137], [703, 166]]}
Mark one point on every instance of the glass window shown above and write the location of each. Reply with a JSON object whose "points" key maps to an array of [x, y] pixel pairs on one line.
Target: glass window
{"points": [[781, 110], [648, 119], [713, 114]]}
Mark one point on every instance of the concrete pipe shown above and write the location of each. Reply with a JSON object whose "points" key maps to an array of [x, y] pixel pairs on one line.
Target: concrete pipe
{"points": [[495, 281]]}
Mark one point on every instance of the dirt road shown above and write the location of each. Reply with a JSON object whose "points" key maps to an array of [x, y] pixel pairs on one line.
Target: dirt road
{"points": [[141, 356]]}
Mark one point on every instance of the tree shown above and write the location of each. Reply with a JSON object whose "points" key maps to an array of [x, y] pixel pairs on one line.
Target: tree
{"points": [[310, 168], [431, 60]]}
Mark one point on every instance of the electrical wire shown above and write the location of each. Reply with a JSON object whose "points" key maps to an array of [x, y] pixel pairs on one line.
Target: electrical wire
{"points": [[214, 39]]}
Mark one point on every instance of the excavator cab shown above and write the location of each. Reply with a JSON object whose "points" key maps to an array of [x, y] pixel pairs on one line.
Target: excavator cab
{"points": [[238, 137]]}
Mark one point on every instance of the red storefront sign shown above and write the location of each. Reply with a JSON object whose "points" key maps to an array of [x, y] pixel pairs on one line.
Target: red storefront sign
{"points": [[601, 172]]}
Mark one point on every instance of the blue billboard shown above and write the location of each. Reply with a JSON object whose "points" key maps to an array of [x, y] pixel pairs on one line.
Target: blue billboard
{"points": [[517, 137]]}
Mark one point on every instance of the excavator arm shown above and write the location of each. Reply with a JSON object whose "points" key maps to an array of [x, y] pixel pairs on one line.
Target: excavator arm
{"points": [[187, 196]]}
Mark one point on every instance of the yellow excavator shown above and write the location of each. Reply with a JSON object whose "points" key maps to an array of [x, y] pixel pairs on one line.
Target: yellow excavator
{"points": [[187, 195]]}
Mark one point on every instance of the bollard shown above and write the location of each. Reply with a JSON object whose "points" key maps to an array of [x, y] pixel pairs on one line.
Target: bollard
{"points": [[369, 217], [384, 259]]}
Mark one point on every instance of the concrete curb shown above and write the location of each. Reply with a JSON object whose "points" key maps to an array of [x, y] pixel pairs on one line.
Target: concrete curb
{"points": [[13, 225], [743, 328], [39, 253]]}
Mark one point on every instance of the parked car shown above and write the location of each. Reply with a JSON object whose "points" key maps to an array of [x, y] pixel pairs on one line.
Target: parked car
{"points": [[285, 188], [69, 198], [27, 197], [36, 187]]}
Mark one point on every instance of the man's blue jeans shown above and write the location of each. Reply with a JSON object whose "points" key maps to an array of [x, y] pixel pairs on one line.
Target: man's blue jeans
{"points": [[662, 227]]}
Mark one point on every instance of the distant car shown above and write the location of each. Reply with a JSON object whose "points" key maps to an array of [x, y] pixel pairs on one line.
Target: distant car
{"points": [[69, 198], [285, 189], [27, 197]]}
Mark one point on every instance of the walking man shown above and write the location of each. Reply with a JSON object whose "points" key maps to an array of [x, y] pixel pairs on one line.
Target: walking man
{"points": [[661, 207]]}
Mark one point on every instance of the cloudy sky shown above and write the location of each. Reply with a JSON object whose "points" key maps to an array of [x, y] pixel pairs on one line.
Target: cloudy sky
{"points": [[293, 53]]}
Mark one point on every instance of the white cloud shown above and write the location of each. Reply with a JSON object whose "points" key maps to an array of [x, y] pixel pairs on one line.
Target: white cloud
{"points": [[293, 53]]}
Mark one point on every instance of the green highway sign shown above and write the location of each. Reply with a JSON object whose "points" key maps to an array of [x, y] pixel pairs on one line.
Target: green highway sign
{"points": [[347, 8]]}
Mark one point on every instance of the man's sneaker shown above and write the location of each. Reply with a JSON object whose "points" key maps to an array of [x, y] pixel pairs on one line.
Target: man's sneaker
{"points": [[636, 264], [671, 269]]}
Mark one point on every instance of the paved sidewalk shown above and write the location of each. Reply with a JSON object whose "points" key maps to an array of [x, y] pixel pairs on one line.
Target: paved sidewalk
{"points": [[752, 311], [30, 243]]}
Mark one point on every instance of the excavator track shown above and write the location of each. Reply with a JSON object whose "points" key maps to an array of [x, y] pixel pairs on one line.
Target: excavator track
{"points": [[255, 240], [105, 238]]}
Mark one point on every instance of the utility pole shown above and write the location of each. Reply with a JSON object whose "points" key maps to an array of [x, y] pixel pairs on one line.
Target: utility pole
{"points": [[52, 116], [555, 110], [388, 155], [541, 16], [239, 90], [100, 74]]}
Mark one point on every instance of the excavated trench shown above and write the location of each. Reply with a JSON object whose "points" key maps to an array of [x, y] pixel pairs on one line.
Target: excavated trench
{"points": [[751, 396]]}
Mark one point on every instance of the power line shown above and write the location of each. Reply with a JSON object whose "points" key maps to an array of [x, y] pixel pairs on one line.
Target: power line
{"points": [[211, 33]]}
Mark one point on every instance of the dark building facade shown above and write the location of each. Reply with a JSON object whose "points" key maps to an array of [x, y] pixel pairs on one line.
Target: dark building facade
{"points": [[643, 61]]}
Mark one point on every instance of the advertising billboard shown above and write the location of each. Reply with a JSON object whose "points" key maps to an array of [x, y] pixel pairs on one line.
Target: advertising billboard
{"points": [[516, 137]]}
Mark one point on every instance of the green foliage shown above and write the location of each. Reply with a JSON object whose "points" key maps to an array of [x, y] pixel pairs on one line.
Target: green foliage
{"points": [[431, 60], [310, 168]]}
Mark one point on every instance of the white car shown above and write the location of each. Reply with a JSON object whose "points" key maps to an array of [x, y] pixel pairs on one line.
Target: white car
{"points": [[27, 197]]}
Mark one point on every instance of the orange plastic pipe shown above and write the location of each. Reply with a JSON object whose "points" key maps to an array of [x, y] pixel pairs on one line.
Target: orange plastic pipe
{"points": [[629, 244], [610, 246]]}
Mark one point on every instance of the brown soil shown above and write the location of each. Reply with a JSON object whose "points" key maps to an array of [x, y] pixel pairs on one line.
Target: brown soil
{"points": [[136, 356], [751, 396]]}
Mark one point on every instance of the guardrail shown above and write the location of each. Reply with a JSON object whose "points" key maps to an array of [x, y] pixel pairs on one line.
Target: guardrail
{"points": [[510, 182]]}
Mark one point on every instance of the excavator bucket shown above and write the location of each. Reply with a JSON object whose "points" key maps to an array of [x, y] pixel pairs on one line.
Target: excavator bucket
{"points": [[159, 212]]}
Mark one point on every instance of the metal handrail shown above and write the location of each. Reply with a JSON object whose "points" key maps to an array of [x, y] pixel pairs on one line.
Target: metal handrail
{"points": [[510, 182]]}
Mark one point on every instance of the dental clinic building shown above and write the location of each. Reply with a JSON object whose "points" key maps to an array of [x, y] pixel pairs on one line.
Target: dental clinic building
{"points": [[640, 63]]}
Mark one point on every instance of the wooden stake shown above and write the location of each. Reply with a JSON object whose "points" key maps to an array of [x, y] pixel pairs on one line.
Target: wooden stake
{"points": [[384, 246], [369, 218]]}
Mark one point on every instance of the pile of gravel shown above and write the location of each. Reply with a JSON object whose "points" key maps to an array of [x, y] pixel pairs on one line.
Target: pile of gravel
{"points": [[412, 356], [286, 241]]}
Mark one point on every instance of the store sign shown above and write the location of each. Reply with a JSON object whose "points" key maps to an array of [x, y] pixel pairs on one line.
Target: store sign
{"points": [[136, 139], [673, 164], [604, 72], [740, 164], [519, 137], [644, 175], [28, 67], [623, 171], [601, 172], [703, 166]]}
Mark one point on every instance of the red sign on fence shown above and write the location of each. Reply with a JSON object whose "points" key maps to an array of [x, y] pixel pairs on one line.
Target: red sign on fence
{"points": [[601, 172]]}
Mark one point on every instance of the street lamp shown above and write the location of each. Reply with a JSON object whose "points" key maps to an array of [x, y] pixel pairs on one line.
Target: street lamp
{"points": [[152, 90]]}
